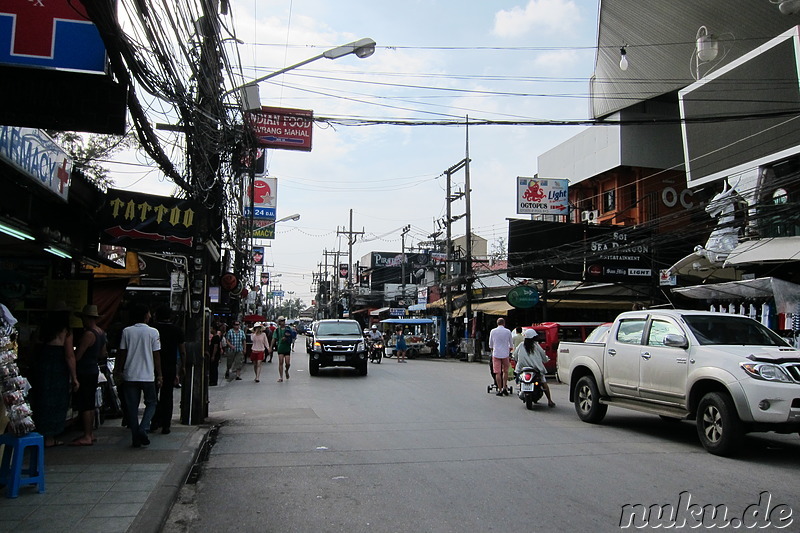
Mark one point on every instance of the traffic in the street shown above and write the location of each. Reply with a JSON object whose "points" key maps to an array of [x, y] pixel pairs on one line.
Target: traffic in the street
{"points": [[423, 447]]}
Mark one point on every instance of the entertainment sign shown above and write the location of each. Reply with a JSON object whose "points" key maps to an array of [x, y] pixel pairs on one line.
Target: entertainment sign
{"points": [[280, 127]]}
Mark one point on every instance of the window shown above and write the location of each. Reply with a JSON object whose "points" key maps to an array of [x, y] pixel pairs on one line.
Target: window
{"points": [[659, 329], [630, 331], [609, 200]]}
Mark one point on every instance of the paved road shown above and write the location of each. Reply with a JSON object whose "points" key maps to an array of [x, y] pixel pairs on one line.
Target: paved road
{"points": [[422, 447]]}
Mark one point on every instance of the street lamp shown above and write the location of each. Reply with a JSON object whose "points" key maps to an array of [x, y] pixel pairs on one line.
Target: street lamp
{"points": [[251, 99]]}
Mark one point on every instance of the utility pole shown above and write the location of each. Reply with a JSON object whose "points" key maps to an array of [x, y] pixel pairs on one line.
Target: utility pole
{"points": [[203, 151], [468, 220], [449, 261], [351, 239], [406, 229], [334, 281]]}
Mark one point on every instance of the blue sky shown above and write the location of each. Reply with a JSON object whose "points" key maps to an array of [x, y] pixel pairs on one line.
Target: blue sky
{"points": [[436, 59]]}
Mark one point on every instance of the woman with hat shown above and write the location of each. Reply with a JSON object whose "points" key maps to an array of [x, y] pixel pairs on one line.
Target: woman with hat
{"points": [[260, 348], [91, 348]]}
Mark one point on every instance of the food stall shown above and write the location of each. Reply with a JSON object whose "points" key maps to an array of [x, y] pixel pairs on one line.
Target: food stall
{"points": [[420, 336]]}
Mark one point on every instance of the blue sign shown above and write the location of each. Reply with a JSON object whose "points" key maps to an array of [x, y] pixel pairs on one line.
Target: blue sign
{"points": [[53, 34], [260, 213], [397, 311]]}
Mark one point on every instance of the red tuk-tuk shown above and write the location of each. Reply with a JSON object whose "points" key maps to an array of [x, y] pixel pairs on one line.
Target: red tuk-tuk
{"points": [[553, 332]]}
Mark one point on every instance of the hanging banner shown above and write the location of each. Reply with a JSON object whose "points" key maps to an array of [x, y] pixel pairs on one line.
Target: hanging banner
{"points": [[145, 222], [536, 196], [284, 128]]}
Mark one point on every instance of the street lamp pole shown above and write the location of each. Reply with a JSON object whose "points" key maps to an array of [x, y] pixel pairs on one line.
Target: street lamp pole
{"points": [[361, 48]]}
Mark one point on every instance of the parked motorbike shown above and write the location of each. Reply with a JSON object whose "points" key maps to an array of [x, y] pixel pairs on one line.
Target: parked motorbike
{"points": [[530, 386], [376, 351]]}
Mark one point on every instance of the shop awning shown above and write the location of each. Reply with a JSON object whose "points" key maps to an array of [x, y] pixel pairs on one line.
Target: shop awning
{"points": [[698, 266], [376, 312], [407, 321], [786, 294], [778, 249], [497, 307]]}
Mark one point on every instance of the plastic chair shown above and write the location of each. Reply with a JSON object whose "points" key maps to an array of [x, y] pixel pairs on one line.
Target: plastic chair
{"points": [[11, 466]]}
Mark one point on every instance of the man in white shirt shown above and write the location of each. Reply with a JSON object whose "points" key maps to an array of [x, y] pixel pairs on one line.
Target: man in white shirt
{"points": [[501, 344], [139, 358]]}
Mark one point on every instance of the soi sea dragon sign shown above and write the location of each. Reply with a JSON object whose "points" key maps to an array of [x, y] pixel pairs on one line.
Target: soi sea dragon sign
{"points": [[542, 196]]}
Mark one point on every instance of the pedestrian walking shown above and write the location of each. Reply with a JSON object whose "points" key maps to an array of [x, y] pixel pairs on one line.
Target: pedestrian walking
{"points": [[235, 352], [501, 344], [261, 344], [215, 355], [140, 359], [282, 343], [173, 358], [92, 347]]}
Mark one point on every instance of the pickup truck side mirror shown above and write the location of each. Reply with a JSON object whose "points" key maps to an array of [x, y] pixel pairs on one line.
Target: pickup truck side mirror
{"points": [[676, 341]]}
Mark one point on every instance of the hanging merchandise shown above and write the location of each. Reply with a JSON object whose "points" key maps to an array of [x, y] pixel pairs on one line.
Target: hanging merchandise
{"points": [[13, 386], [713, 309], [732, 308], [742, 310], [796, 319], [752, 313], [765, 314]]}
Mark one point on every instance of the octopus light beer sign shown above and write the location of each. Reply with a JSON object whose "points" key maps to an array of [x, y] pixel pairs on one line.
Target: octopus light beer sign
{"points": [[542, 196]]}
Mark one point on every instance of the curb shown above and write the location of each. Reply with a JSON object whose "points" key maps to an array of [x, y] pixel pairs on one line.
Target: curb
{"points": [[156, 509]]}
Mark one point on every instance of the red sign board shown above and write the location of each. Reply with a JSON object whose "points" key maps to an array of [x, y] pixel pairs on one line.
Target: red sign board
{"points": [[281, 127]]}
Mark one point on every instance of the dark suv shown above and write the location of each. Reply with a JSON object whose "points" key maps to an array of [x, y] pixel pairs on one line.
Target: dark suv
{"points": [[337, 343]]}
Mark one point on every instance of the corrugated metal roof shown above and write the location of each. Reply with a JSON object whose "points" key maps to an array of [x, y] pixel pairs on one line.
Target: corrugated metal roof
{"points": [[660, 38]]}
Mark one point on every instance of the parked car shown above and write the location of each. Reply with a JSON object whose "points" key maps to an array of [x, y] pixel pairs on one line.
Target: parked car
{"points": [[337, 342], [728, 373]]}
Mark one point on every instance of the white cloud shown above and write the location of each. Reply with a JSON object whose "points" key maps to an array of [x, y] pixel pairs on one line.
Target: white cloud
{"points": [[556, 61], [550, 16]]}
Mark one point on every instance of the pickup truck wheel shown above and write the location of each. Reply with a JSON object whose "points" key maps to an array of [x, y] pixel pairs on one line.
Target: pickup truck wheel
{"points": [[587, 401], [718, 424], [313, 368]]}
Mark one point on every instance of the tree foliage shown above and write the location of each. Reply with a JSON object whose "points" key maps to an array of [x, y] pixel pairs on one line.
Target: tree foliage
{"points": [[499, 249], [90, 152]]}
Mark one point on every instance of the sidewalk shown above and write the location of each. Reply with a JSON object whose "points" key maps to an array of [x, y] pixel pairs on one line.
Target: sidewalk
{"points": [[108, 487]]}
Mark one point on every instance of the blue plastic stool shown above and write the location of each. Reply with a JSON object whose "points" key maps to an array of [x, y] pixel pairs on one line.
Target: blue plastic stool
{"points": [[11, 467]]}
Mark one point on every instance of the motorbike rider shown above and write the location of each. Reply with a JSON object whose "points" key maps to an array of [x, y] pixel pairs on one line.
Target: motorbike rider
{"points": [[374, 335], [530, 354]]}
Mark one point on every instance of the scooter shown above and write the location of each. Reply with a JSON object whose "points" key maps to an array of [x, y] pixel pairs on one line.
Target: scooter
{"points": [[376, 352], [530, 386]]}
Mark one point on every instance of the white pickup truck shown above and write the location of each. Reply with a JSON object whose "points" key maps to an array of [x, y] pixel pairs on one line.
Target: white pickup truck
{"points": [[729, 373]]}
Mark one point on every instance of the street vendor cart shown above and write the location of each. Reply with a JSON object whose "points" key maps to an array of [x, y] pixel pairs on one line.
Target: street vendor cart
{"points": [[420, 336]]}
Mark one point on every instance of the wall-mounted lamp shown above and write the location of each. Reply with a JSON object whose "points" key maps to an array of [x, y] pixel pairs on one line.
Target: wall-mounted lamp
{"points": [[623, 58], [58, 252], [16, 233], [789, 7]]}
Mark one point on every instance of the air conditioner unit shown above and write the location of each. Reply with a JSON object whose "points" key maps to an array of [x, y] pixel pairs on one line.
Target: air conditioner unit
{"points": [[590, 216]]}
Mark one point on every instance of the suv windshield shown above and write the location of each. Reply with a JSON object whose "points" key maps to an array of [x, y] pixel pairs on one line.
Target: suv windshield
{"points": [[338, 328], [731, 330]]}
